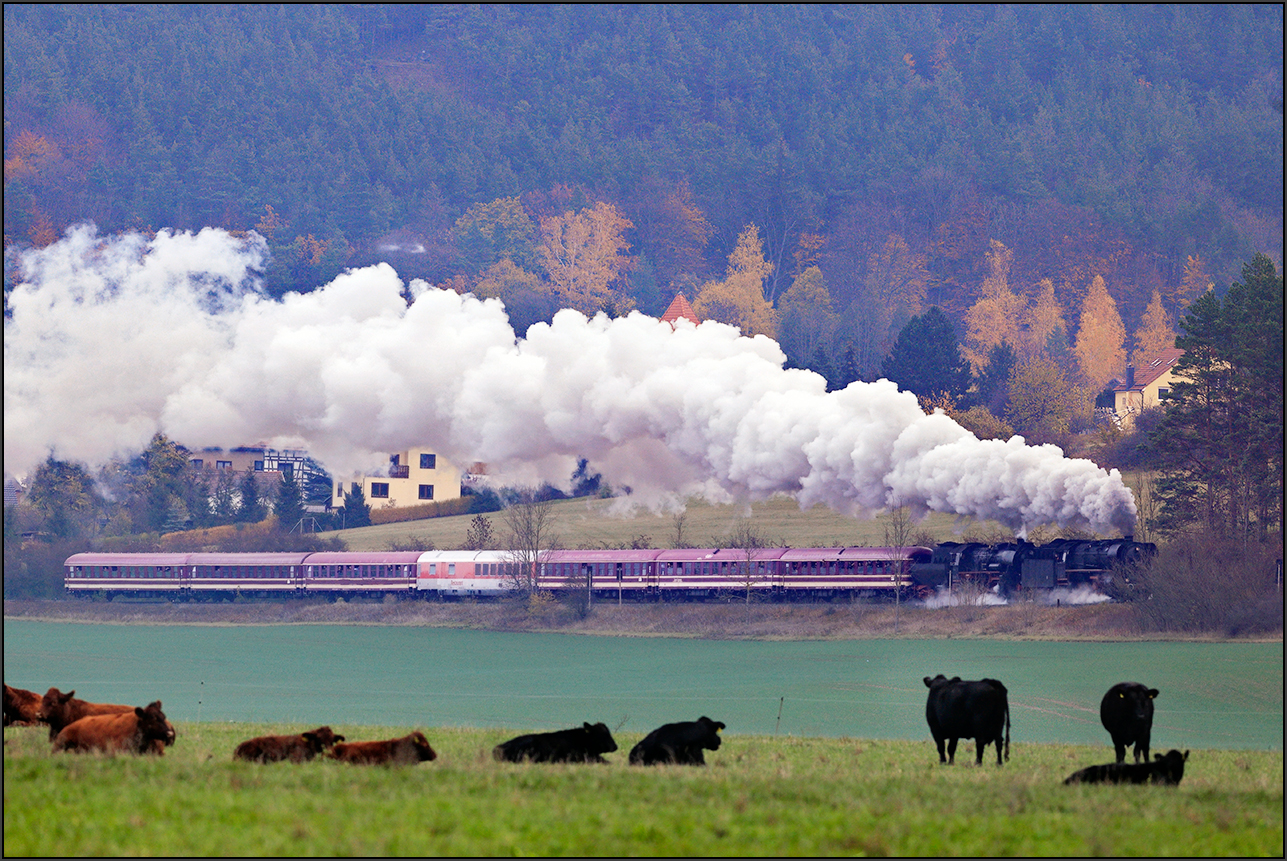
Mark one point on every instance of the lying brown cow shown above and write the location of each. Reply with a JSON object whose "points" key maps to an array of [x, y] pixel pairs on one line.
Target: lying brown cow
{"points": [[21, 708], [144, 730], [61, 710], [408, 750], [278, 748]]}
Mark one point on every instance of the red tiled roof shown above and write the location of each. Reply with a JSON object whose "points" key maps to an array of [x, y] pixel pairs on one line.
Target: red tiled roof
{"points": [[680, 308], [1149, 371]]}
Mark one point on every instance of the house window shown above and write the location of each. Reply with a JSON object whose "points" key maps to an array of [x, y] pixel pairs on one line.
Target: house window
{"points": [[223, 464], [197, 462], [259, 466], [1163, 394], [426, 491], [428, 461], [379, 490]]}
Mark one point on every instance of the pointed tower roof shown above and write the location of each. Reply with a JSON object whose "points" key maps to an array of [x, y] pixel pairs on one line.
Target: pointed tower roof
{"points": [[680, 308]]}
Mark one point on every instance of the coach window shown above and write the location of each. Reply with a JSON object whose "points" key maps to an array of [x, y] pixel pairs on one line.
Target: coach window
{"points": [[428, 461], [426, 491], [379, 490]]}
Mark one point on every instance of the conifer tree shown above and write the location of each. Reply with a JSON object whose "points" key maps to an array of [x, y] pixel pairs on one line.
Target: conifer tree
{"points": [[995, 317], [926, 358], [1101, 337], [1154, 334]]}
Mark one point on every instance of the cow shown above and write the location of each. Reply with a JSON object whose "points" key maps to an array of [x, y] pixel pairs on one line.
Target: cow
{"points": [[408, 750], [977, 710], [60, 709], [21, 708], [296, 748], [1167, 770], [678, 743], [580, 744], [142, 730], [1126, 711]]}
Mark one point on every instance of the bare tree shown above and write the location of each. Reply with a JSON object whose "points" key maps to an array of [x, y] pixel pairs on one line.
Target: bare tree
{"points": [[898, 531], [678, 522], [480, 535], [530, 523], [747, 544]]}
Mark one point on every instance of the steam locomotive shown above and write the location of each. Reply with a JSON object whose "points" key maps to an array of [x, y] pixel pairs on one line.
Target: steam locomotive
{"points": [[781, 573]]}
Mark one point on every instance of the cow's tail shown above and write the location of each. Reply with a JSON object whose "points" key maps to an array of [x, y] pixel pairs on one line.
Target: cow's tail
{"points": [[1007, 729]]}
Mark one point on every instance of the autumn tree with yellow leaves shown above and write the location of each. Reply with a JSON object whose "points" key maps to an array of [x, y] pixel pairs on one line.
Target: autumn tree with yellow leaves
{"points": [[1155, 333], [739, 299], [1101, 337], [584, 255], [995, 318]]}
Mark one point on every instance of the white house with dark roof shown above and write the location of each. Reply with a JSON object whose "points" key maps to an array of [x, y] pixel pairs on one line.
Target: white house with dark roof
{"points": [[1145, 386]]}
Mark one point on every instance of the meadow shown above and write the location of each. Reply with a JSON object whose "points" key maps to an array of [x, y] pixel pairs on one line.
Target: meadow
{"points": [[759, 795]]}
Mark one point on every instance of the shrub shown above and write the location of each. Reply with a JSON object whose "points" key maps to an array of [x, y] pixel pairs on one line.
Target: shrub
{"points": [[1210, 584]]}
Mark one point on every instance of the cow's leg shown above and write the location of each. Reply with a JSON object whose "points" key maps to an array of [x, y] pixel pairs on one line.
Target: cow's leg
{"points": [[942, 757], [1120, 748], [951, 750], [1142, 742], [997, 743]]}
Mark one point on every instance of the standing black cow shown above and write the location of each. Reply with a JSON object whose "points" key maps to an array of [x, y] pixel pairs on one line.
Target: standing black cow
{"points": [[1127, 713], [977, 710], [679, 743], [1167, 770], [582, 744]]}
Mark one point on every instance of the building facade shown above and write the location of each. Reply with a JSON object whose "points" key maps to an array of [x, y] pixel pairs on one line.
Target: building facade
{"points": [[1145, 386], [414, 477]]}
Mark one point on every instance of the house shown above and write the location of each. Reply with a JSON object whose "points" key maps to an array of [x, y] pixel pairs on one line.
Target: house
{"points": [[1145, 386], [679, 307], [414, 477]]}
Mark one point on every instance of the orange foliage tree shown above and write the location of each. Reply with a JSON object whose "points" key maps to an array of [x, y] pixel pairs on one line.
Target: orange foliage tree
{"points": [[1101, 337]]}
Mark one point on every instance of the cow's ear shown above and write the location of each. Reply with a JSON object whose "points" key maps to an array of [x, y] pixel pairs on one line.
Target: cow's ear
{"points": [[928, 681], [587, 725], [1152, 693], [138, 710]]}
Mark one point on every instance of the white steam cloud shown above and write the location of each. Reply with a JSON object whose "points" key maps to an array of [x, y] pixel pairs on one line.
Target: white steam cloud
{"points": [[111, 339]]}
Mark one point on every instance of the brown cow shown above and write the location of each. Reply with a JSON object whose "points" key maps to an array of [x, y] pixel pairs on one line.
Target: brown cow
{"points": [[21, 708], [408, 750], [296, 748], [60, 709], [142, 731]]}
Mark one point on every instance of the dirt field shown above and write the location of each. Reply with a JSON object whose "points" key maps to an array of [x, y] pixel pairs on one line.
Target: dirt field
{"points": [[715, 621]]}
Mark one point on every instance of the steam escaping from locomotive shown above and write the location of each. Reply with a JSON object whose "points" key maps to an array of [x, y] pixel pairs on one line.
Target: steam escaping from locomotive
{"points": [[111, 339]]}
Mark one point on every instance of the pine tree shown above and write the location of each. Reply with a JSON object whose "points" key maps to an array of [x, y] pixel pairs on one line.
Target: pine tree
{"points": [[289, 506], [356, 511], [926, 358]]}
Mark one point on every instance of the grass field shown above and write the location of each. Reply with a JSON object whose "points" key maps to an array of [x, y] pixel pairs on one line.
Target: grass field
{"points": [[589, 522], [759, 795]]}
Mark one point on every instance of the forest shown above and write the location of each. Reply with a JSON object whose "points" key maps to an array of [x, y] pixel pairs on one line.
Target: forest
{"points": [[1038, 193]]}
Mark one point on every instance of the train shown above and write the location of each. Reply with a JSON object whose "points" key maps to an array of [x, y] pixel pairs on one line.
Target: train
{"points": [[780, 573]]}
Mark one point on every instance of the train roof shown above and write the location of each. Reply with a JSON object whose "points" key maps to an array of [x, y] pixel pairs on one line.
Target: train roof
{"points": [[641, 554], [153, 559], [368, 557], [247, 558]]}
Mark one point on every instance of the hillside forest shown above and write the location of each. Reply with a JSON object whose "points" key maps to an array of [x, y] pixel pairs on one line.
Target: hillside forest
{"points": [[998, 207]]}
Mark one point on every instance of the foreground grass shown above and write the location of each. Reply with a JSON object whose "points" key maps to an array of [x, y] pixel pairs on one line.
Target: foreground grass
{"points": [[758, 796]]}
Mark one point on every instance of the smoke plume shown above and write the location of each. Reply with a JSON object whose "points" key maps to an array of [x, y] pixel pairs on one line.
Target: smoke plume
{"points": [[111, 339]]}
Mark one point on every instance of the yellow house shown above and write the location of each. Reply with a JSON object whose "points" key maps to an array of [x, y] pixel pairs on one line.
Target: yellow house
{"points": [[414, 477], [1145, 386]]}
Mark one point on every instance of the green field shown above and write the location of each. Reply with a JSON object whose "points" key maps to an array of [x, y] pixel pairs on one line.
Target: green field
{"points": [[591, 522], [759, 795], [1214, 695]]}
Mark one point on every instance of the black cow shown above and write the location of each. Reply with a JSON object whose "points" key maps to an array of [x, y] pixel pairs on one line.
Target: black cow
{"points": [[1167, 770], [977, 710], [1127, 713], [582, 744], [678, 743]]}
